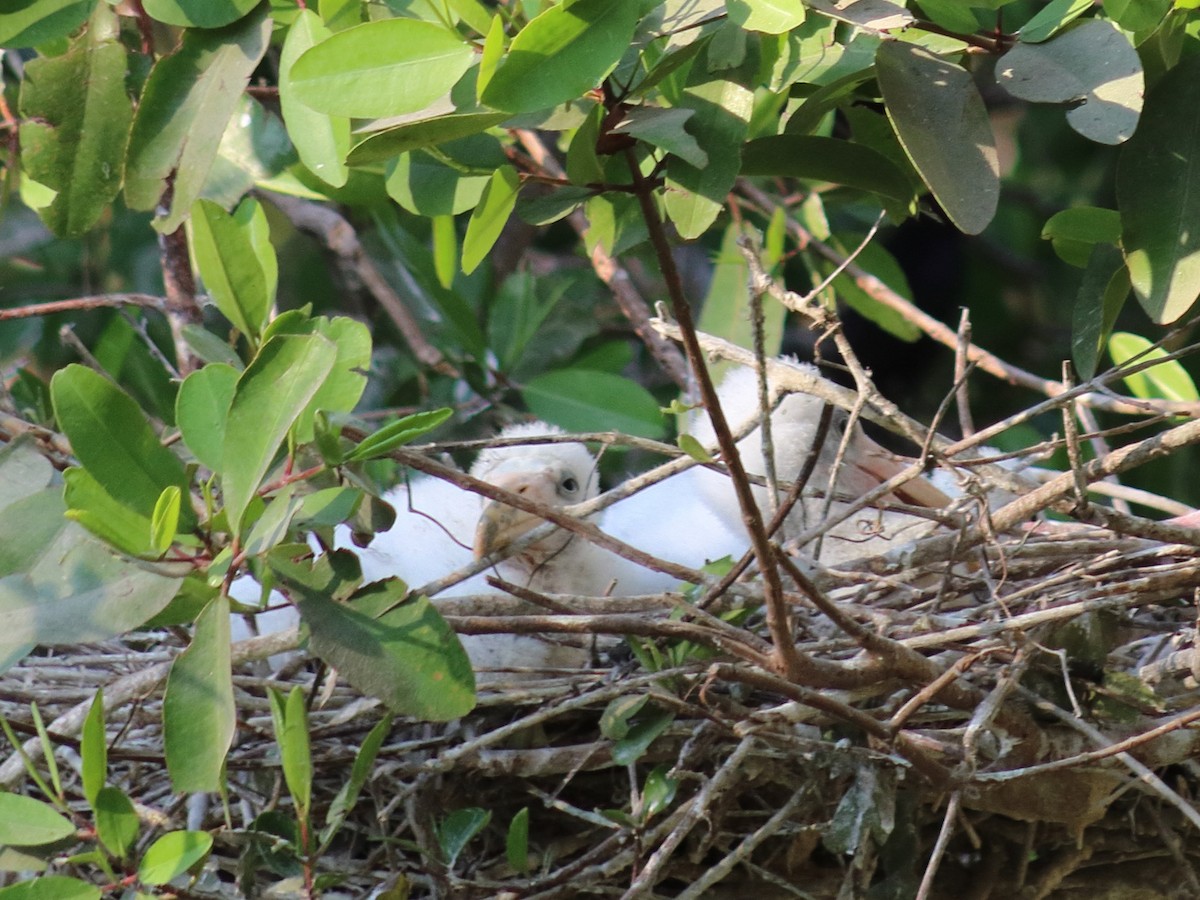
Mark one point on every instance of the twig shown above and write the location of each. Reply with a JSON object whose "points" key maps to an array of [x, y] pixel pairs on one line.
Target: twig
{"points": [[778, 617], [966, 423], [939, 847]]}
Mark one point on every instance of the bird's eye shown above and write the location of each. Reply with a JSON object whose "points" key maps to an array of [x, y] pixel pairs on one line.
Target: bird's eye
{"points": [[568, 485]]}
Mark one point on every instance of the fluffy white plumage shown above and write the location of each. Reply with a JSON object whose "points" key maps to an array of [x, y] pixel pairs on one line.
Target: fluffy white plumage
{"points": [[795, 432]]}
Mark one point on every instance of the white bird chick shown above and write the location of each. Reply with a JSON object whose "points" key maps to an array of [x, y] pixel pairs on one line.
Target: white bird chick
{"points": [[554, 474], [795, 431]]}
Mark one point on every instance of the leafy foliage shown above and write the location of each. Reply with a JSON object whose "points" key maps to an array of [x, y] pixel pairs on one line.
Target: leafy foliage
{"points": [[206, 440]]}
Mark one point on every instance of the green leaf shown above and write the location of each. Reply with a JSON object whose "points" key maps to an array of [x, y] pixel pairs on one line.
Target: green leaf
{"points": [[111, 437], [116, 821], [201, 408], [943, 126], [561, 54], [490, 216], [493, 52], [664, 129], [457, 829], [1074, 232], [42, 21], [199, 715], [185, 107], [25, 822], [696, 195], [516, 842], [270, 395], [234, 257], [448, 183], [408, 657], [583, 400], [198, 13], [379, 69], [1092, 67], [617, 718], [75, 125], [1140, 15], [291, 733], [644, 732], [346, 381], [94, 508], [693, 448], [826, 159], [172, 855], [23, 470], [1158, 194], [1099, 301], [445, 249], [51, 887], [210, 348], [767, 16], [94, 749], [873, 15], [321, 140], [583, 163], [398, 433], [658, 793], [165, 521], [58, 585], [1167, 380], [390, 143], [364, 762], [1051, 18]]}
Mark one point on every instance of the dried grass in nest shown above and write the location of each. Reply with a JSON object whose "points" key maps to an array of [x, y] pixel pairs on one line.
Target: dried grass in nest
{"points": [[1016, 723]]}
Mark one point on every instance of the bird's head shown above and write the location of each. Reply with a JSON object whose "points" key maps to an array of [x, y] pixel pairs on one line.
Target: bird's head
{"points": [[555, 474]]}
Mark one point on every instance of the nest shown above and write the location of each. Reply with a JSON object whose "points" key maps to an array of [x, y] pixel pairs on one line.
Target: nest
{"points": [[991, 710]]}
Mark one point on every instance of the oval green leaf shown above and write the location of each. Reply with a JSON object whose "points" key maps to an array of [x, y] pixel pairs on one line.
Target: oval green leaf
{"points": [[1073, 232], [75, 125], [490, 216], [1099, 301], [112, 438], [198, 709], [51, 887], [198, 13], [1167, 380], [398, 433], [201, 408], [943, 126], [1093, 67], [1158, 194], [41, 21], [321, 140], [184, 110], [172, 855], [561, 54], [93, 749], [826, 159], [234, 257], [586, 400], [270, 395], [408, 657], [116, 821], [379, 69], [388, 144], [26, 822]]}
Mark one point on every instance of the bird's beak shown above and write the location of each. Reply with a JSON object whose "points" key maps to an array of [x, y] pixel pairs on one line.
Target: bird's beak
{"points": [[876, 464], [501, 524]]}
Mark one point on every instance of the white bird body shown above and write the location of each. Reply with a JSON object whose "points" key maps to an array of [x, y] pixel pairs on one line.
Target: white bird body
{"points": [[673, 521], [795, 432]]}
